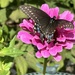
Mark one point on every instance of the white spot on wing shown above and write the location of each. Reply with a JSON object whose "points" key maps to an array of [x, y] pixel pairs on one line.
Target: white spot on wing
{"points": [[25, 7]]}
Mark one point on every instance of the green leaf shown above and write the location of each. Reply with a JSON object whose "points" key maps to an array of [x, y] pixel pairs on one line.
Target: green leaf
{"points": [[5, 68], [50, 3], [12, 33], [73, 51], [5, 3], [30, 48], [30, 58], [12, 52], [16, 14], [23, 47], [21, 65], [70, 57], [1, 32], [74, 3], [5, 28], [1, 40], [3, 17], [61, 64], [12, 42], [11, 0]]}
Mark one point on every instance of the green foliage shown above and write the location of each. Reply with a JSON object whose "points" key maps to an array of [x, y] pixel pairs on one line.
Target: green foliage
{"points": [[5, 67], [32, 60], [16, 14], [21, 65], [3, 15], [4, 3], [11, 51], [14, 51], [73, 3]]}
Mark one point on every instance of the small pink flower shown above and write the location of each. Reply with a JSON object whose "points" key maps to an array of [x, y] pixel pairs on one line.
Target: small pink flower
{"points": [[63, 38]]}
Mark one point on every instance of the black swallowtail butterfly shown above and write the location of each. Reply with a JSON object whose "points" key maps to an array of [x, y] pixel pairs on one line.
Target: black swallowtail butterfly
{"points": [[44, 24]]}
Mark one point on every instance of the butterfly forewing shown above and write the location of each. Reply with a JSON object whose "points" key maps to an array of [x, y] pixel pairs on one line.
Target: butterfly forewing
{"points": [[37, 15]]}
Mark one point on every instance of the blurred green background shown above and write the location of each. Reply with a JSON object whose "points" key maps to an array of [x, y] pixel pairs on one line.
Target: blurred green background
{"points": [[18, 58]]}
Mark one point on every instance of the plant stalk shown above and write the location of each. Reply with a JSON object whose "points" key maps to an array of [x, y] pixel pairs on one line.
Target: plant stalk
{"points": [[44, 66]]}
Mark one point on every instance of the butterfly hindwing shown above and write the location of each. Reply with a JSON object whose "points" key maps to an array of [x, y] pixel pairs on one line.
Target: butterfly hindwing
{"points": [[64, 23]]}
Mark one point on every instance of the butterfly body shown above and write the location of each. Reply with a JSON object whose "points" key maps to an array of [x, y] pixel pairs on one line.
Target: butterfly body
{"points": [[44, 24]]}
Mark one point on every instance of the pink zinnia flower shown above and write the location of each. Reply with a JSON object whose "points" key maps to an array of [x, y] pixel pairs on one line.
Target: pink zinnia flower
{"points": [[64, 38]]}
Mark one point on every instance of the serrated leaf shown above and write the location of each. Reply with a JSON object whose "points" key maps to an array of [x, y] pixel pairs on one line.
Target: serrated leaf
{"points": [[12, 52]]}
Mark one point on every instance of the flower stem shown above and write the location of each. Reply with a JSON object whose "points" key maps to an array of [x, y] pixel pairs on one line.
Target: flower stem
{"points": [[45, 65]]}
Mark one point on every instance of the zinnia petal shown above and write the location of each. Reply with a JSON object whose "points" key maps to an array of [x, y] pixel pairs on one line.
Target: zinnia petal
{"points": [[24, 37], [69, 45], [38, 54], [67, 15], [58, 57], [45, 8], [45, 53], [54, 12]]}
